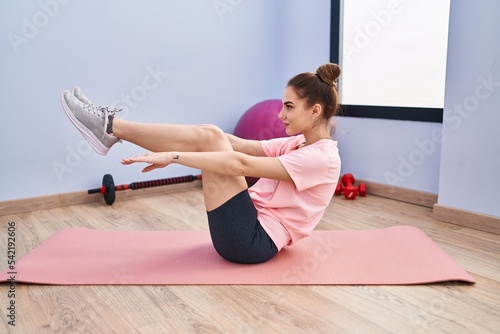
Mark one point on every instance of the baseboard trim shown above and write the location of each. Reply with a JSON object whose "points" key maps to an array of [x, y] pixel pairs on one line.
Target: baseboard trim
{"points": [[440, 212], [17, 206], [465, 218], [412, 196], [81, 197]]}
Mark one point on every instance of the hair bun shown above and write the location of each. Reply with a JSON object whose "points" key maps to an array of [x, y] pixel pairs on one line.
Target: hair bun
{"points": [[328, 73]]}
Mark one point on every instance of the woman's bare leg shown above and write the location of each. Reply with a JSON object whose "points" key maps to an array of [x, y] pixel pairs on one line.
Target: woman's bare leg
{"points": [[163, 137]]}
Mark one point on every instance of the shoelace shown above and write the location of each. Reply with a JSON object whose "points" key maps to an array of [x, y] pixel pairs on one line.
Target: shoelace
{"points": [[101, 111]]}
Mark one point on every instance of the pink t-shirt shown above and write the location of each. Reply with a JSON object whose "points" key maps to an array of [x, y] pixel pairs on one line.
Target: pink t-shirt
{"points": [[289, 211]]}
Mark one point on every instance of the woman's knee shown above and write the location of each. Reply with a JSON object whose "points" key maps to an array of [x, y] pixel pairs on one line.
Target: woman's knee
{"points": [[214, 139]]}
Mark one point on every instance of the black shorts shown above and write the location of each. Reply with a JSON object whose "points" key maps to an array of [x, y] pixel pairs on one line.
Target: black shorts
{"points": [[236, 232]]}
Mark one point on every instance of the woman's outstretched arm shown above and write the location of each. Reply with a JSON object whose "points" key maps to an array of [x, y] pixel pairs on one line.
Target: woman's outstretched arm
{"points": [[223, 162], [247, 146]]}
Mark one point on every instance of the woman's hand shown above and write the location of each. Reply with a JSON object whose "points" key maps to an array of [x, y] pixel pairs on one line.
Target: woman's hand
{"points": [[155, 160]]}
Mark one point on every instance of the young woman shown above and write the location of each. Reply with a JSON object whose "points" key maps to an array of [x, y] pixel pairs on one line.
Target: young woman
{"points": [[298, 174]]}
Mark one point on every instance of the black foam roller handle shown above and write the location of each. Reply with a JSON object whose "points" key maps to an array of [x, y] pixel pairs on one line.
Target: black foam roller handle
{"points": [[162, 182]]}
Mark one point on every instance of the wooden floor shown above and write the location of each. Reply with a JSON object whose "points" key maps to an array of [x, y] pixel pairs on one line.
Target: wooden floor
{"points": [[436, 308]]}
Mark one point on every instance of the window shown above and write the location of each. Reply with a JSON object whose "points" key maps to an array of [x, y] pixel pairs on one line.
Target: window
{"points": [[393, 57]]}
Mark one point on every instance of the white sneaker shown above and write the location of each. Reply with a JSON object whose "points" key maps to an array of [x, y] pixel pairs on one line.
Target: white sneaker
{"points": [[78, 93], [90, 120]]}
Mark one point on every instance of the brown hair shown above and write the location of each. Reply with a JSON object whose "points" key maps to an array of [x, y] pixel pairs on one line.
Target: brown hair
{"points": [[320, 87]]}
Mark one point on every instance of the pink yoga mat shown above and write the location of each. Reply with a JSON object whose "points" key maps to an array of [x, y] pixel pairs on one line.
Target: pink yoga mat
{"points": [[390, 256]]}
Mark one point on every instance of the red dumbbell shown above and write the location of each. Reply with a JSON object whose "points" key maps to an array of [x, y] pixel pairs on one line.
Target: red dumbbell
{"points": [[347, 187]]}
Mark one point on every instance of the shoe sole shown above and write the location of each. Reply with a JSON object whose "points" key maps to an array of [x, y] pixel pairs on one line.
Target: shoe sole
{"points": [[94, 142]]}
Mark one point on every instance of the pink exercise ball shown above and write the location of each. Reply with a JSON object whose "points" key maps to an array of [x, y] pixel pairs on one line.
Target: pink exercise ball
{"points": [[261, 122]]}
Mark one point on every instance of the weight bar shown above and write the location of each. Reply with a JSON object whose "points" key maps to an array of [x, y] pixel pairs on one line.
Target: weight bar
{"points": [[108, 189]]}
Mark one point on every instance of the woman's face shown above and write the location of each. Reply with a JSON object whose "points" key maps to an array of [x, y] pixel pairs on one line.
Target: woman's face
{"points": [[296, 116]]}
